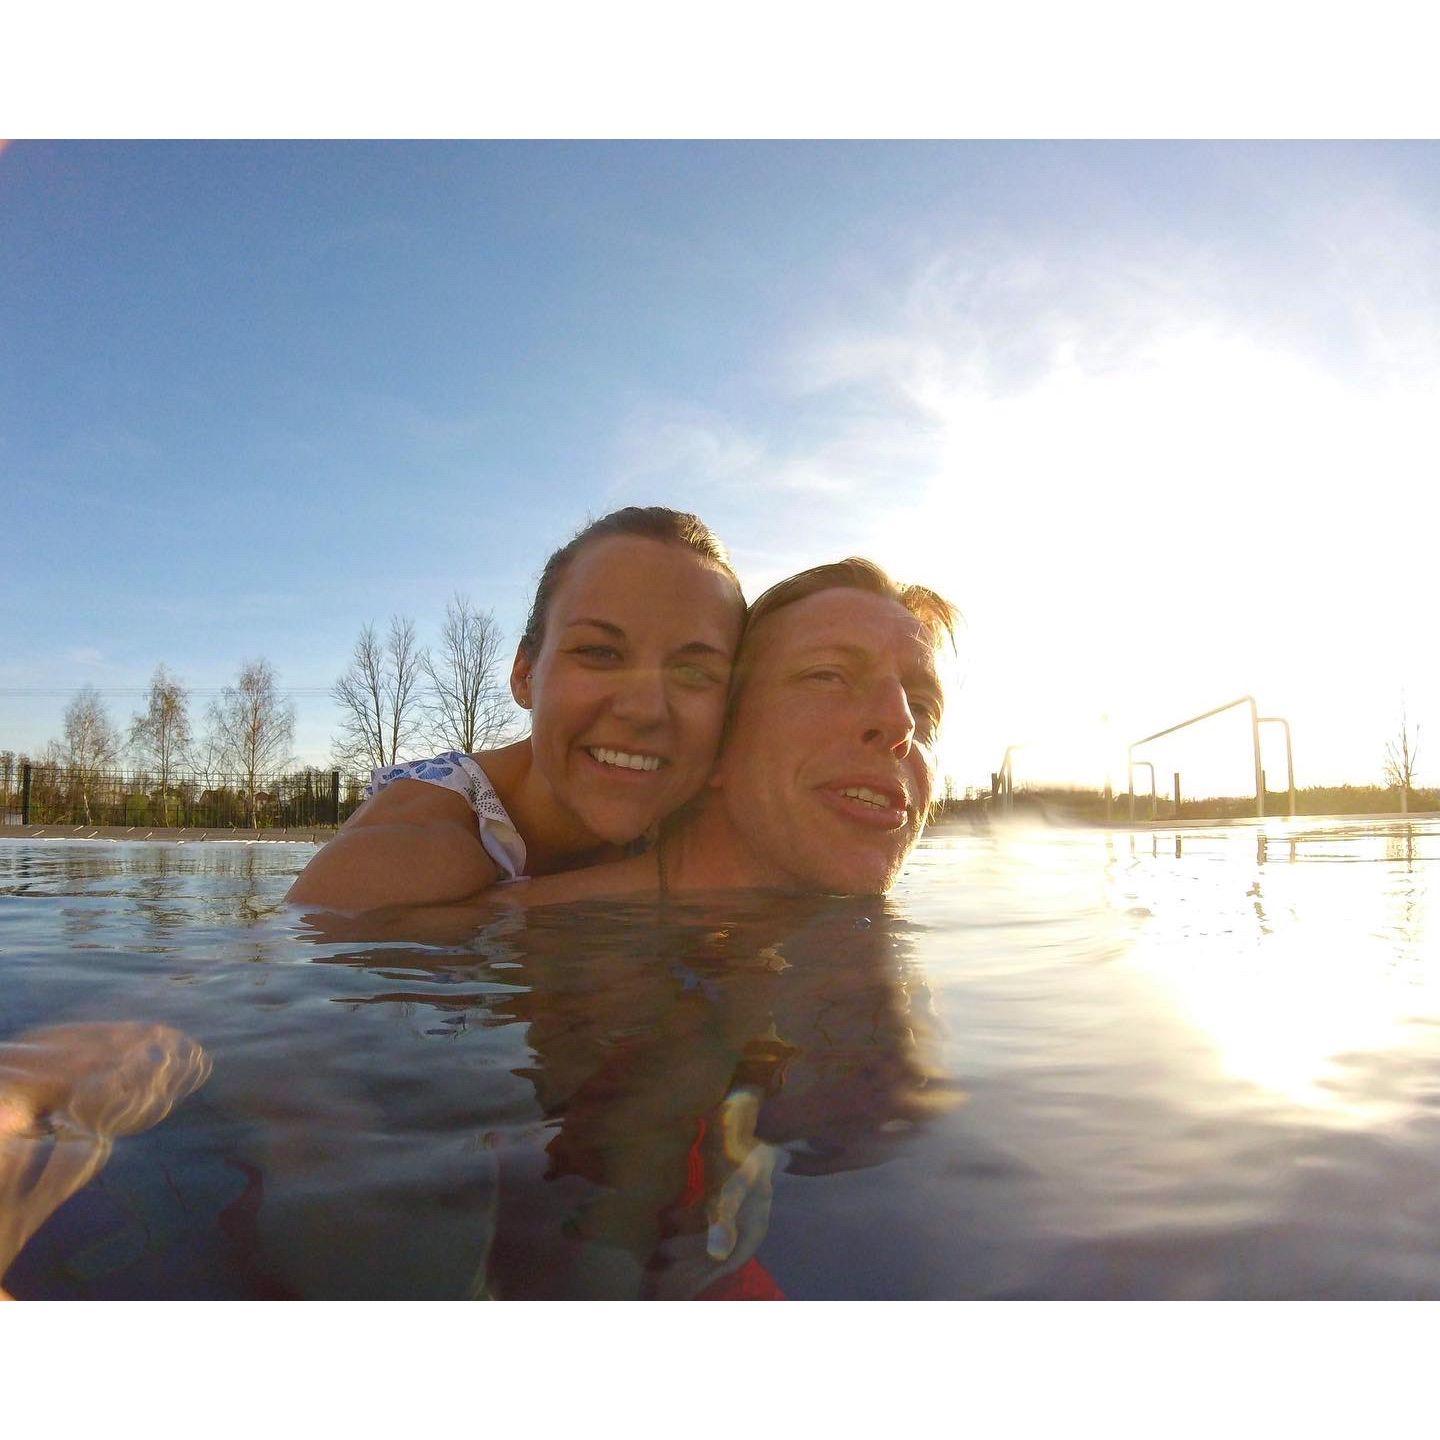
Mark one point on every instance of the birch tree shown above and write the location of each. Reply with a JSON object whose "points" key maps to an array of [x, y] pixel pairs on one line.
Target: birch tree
{"points": [[160, 734], [380, 698], [469, 700], [254, 728], [90, 744]]}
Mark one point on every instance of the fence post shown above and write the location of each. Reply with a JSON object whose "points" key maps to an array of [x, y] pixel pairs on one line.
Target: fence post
{"points": [[25, 794], [334, 797], [1177, 794]]}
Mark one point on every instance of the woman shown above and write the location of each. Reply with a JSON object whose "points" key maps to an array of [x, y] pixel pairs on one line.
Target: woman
{"points": [[624, 666]]}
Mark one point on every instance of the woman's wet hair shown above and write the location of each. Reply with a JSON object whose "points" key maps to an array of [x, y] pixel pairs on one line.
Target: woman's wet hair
{"points": [[644, 522]]}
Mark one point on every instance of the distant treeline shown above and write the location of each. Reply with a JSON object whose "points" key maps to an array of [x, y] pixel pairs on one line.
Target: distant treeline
{"points": [[1089, 805]]}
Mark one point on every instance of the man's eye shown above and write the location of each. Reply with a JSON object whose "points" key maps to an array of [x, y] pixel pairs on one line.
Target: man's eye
{"points": [[827, 677], [927, 719], [596, 652]]}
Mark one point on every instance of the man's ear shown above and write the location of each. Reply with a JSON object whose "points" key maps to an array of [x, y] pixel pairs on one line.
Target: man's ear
{"points": [[520, 673]]}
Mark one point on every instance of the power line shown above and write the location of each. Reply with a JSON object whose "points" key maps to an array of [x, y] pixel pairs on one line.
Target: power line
{"points": [[60, 692]]}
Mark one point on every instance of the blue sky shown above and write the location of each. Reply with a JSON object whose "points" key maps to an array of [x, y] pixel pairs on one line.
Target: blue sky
{"points": [[1158, 416]]}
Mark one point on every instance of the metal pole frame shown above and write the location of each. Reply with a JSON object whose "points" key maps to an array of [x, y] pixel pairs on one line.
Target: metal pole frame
{"points": [[1007, 779], [1254, 741], [1154, 803], [1289, 755]]}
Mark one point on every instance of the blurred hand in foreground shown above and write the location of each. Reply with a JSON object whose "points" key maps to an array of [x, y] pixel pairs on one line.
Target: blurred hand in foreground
{"points": [[66, 1093]]}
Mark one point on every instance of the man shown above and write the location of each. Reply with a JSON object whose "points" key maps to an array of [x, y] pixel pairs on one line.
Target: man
{"points": [[825, 778]]}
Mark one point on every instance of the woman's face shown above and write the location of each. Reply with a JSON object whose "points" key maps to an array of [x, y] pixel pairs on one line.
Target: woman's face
{"points": [[627, 692]]}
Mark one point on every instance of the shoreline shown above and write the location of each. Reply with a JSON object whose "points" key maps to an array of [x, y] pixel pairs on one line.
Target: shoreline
{"points": [[169, 835]]}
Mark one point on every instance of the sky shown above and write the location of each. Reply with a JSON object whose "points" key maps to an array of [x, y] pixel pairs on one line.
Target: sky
{"points": [[1159, 417]]}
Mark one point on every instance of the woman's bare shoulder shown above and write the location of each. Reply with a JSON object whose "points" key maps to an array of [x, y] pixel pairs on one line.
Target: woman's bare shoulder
{"points": [[413, 802], [412, 844]]}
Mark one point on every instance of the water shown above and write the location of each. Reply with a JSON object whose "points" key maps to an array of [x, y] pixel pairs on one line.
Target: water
{"points": [[1054, 1063]]}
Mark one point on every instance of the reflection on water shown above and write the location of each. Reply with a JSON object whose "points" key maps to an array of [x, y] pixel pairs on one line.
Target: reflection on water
{"points": [[1069, 1063]]}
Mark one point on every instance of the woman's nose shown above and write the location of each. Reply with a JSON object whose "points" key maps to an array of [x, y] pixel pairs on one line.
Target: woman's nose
{"points": [[640, 697]]}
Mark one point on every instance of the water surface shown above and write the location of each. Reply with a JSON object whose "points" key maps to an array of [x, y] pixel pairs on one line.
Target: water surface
{"points": [[1054, 1063]]}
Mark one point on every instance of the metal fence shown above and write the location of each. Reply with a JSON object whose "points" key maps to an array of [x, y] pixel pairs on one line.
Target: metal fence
{"points": [[41, 793]]}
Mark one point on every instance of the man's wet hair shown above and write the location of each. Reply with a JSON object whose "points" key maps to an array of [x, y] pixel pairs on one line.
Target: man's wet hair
{"points": [[939, 617]]}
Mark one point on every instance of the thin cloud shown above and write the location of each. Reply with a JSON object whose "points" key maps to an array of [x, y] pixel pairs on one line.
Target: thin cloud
{"points": [[656, 447]]}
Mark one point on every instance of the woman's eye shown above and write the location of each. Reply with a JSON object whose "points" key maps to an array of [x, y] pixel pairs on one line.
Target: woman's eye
{"points": [[596, 652], [695, 675], [830, 677]]}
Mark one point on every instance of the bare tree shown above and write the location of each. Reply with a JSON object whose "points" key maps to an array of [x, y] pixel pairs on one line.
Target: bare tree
{"points": [[206, 756], [90, 743], [1401, 754], [469, 703], [379, 697], [254, 727], [160, 735]]}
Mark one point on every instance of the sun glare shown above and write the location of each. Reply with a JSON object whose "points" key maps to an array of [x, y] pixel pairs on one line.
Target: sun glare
{"points": [[1287, 975], [1157, 537]]}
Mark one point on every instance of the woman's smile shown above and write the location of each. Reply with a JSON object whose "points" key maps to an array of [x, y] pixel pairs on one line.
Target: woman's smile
{"points": [[625, 761]]}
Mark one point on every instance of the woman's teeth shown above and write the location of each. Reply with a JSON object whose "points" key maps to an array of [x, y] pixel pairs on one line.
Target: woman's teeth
{"points": [[626, 761]]}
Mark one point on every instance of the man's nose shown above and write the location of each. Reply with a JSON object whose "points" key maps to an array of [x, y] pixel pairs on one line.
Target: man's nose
{"points": [[640, 696], [889, 721]]}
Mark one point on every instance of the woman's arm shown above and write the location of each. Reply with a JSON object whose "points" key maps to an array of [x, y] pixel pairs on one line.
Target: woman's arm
{"points": [[412, 844]]}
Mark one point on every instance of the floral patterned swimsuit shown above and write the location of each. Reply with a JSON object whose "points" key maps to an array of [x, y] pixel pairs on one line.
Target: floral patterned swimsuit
{"points": [[454, 770]]}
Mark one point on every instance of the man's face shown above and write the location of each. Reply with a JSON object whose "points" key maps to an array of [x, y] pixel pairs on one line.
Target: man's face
{"points": [[827, 773]]}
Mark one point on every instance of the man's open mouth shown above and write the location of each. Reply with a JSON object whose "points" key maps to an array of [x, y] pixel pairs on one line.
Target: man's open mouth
{"points": [[877, 798], [623, 759], [871, 804]]}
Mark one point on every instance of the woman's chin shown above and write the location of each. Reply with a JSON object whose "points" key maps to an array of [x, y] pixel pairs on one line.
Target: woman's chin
{"points": [[619, 833], [618, 825]]}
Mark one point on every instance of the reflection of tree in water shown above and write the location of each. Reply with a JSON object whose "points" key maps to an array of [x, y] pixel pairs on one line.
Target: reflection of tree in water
{"points": [[1400, 845], [676, 1062], [170, 884], [1405, 890]]}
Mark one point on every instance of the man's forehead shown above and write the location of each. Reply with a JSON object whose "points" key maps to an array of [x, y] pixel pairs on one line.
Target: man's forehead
{"points": [[848, 618]]}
